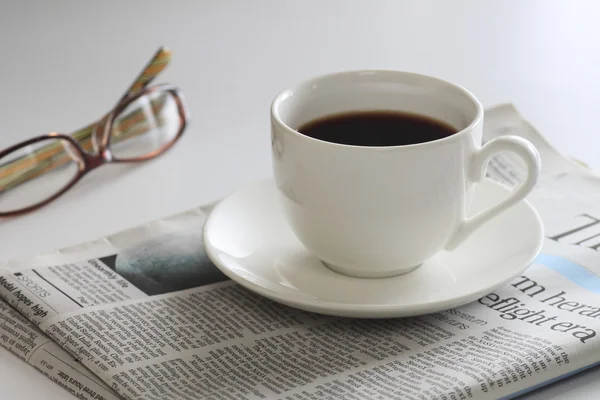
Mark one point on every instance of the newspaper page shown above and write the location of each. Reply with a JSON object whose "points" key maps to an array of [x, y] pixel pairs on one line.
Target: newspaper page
{"points": [[148, 313], [19, 331], [23, 338]]}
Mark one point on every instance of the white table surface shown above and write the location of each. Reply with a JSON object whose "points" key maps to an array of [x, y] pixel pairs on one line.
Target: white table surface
{"points": [[65, 63]]}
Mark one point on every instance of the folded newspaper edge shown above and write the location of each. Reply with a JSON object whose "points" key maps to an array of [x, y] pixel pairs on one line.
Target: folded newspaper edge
{"points": [[143, 314]]}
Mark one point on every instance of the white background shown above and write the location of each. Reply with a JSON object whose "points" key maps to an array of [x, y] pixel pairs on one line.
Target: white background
{"points": [[64, 64]]}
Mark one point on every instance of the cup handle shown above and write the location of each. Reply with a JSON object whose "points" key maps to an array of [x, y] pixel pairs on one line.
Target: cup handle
{"points": [[476, 172]]}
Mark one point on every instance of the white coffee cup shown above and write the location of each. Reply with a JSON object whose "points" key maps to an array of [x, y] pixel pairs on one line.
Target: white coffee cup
{"points": [[382, 211]]}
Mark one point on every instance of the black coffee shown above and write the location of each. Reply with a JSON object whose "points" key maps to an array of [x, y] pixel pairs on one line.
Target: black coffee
{"points": [[377, 128]]}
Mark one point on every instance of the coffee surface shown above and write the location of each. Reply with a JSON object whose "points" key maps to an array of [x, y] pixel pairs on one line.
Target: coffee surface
{"points": [[377, 128]]}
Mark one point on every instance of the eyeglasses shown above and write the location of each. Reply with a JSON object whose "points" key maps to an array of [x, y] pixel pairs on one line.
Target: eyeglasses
{"points": [[145, 122]]}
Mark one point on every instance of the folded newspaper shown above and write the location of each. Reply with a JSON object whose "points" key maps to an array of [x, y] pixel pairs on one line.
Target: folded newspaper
{"points": [[143, 314]]}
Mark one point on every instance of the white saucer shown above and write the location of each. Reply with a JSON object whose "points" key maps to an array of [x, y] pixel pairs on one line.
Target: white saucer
{"points": [[247, 238]]}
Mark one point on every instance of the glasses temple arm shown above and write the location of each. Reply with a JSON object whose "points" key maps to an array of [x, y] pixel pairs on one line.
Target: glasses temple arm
{"points": [[155, 66]]}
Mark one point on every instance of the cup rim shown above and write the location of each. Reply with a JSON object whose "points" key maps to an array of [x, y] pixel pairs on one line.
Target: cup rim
{"points": [[288, 92]]}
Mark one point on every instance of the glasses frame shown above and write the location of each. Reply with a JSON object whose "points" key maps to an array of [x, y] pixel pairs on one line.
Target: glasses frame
{"points": [[88, 161]]}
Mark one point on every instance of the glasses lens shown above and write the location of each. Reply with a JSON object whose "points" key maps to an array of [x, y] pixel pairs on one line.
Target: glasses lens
{"points": [[32, 174], [145, 126]]}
